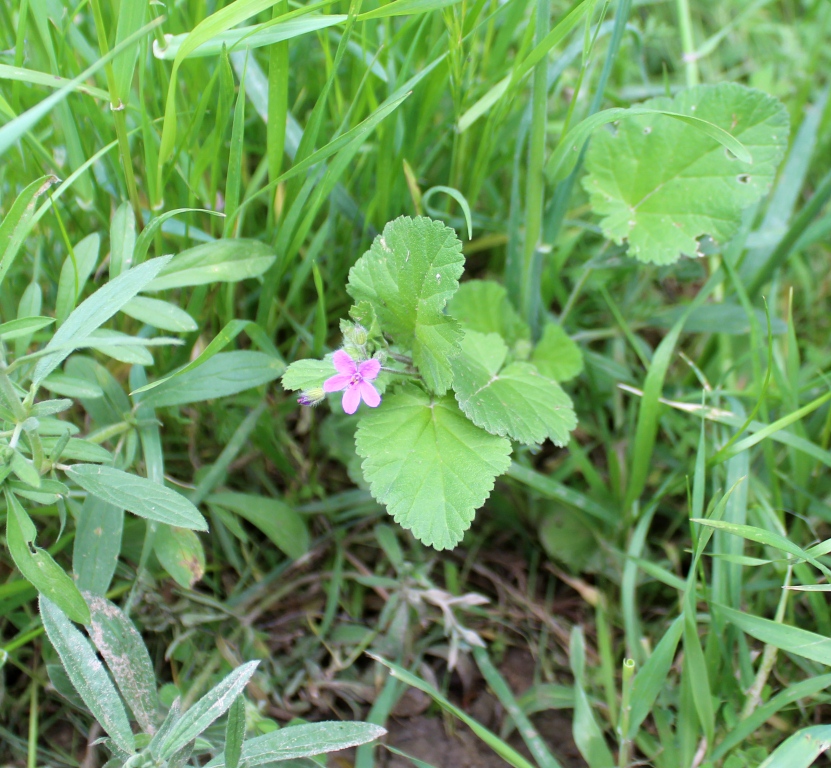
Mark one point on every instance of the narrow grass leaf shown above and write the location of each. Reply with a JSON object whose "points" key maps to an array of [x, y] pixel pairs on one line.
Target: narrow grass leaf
{"points": [[800, 642], [284, 527], [801, 749], [505, 751], [538, 748]]}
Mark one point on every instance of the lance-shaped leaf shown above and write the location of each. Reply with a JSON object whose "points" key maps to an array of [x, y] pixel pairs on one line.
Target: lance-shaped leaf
{"points": [[660, 183], [119, 642], [408, 275], [94, 312], [307, 740], [512, 399], [87, 674], [37, 565], [138, 495], [428, 464], [211, 706]]}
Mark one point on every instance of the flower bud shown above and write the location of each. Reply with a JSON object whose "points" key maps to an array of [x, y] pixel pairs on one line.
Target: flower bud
{"points": [[354, 334], [312, 396]]}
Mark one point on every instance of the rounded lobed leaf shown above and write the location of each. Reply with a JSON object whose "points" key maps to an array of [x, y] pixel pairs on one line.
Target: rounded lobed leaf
{"points": [[514, 399], [428, 464], [660, 184], [407, 276]]}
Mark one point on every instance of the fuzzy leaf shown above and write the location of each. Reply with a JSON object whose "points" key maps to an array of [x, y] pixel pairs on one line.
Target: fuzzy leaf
{"points": [[305, 374], [428, 464], [211, 706], [408, 275], [512, 399], [306, 740], [556, 356], [119, 642], [661, 184], [88, 675], [483, 306]]}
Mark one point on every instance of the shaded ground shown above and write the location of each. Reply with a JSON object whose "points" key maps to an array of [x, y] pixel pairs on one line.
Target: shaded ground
{"points": [[447, 743]]}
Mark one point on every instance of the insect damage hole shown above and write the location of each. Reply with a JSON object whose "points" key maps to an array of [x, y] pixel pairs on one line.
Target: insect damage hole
{"points": [[743, 178]]}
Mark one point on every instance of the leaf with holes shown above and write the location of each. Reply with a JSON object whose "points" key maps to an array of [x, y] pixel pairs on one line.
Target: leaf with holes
{"points": [[513, 399], [428, 464], [660, 184], [408, 275]]}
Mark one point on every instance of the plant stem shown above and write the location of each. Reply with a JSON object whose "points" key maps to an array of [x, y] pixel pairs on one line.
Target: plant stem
{"points": [[117, 108], [690, 56], [754, 695], [535, 182]]}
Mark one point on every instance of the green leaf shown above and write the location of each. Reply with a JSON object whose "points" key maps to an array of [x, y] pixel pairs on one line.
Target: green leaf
{"points": [[661, 184], [94, 312], [235, 733], [307, 740], [226, 373], [801, 749], [37, 565], [118, 641], [484, 306], [97, 545], [305, 374], [408, 275], [160, 314], [88, 675], [255, 36], [510, 399], [24, 326], [122, 239], [504, 750], [181, 554], [76, 269], [285, 527], [556, 356], [211, 706], [69, 386], [221, 261], [800, 642], [428, 464], [138, 495]]}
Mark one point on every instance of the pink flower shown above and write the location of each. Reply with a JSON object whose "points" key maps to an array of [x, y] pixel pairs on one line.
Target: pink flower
{"points": [[354, 378]]}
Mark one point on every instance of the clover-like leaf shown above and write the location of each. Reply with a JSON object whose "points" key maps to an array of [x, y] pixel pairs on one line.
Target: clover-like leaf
{"points": [[512, 399], [408, 275], [428, 464], [484, 306], [556, 355], [660, 183]]}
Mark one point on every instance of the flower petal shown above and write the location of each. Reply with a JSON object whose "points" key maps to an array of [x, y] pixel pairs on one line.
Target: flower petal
{"points": [[370, 394], [337, 382], [369, 369], [351, 399], [344, 364]]}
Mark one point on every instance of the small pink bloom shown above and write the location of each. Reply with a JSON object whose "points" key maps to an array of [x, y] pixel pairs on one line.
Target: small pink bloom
{"points": [[354, 378]]}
